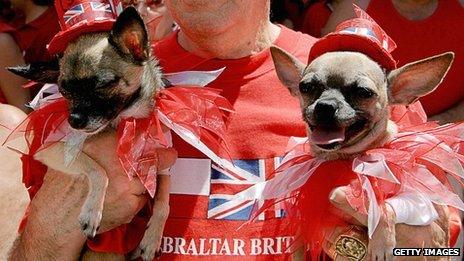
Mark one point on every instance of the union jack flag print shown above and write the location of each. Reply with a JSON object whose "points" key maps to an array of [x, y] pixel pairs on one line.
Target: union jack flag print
{"points": [[225, 184], [73, 12], [102, 7], [89, 11], [386, 42]]}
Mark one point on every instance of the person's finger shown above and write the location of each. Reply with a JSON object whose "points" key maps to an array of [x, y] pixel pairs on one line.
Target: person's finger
{"points": [[339, 200], [389, 254], [166, 157]]}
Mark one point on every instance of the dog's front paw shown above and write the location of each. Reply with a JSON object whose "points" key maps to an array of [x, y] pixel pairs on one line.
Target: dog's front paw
{"points": [[149, 247], [146, 253], [89, 221], [381, 248]]}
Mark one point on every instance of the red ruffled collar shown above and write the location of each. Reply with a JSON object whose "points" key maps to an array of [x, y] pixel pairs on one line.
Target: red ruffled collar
{"points": [[196, 114]]}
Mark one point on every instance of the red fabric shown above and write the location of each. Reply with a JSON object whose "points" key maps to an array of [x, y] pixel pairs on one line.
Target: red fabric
{"points": [[360, 34], [200, 111], [265, 117], [36, 131], [90, 20], [4, 28], [124, 238], [455, 225], [34, 36], [265, 112], [321, 217], [294, 13], [441, 32], [315, 18], [60, 40]]}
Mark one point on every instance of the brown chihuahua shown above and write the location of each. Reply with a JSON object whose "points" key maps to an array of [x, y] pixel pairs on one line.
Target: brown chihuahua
{"points": [[344, 98]]}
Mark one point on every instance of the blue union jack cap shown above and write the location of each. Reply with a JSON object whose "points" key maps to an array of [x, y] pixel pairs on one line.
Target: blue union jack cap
{"points": [[361, 34], [82, 16]]}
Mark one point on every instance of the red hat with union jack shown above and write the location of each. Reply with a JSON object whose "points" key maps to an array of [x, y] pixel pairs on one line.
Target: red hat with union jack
{"points": [[361, 34], [77, 17]]}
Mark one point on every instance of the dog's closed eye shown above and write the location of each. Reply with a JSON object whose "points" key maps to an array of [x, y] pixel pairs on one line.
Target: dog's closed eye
{"points": [[106, 83], [310, 88], [363, 92]]}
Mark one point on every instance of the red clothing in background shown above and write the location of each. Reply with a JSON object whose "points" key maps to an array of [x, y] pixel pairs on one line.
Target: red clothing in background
{"points": [[33, 37], [294, 13], [315, 18], [443, 31], [4, 28]]}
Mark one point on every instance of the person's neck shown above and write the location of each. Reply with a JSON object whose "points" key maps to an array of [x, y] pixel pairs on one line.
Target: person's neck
{"points": [[32, 11], [233, 43], [416, 9]]}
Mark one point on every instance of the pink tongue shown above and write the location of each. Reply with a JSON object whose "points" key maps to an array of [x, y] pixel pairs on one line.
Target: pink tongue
{"points": [[321, 136]]}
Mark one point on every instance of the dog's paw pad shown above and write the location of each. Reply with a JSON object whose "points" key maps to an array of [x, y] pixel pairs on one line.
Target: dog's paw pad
{"points": [[136, 253], [148, 248], [158, 253], [147, 253], [90, 222]]}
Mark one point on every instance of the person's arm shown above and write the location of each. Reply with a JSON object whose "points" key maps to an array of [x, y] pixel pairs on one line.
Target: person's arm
{"points": [[342, 10], [435, 235], [454, 114], [52, 231], [10, 84]]}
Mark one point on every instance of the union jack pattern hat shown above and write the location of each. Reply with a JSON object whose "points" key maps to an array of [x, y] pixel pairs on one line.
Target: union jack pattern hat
{"points": [[361, 34], [77, 17]]}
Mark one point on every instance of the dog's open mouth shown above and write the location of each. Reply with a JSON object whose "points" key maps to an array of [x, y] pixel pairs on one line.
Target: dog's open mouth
{"points": [[334, 137]]}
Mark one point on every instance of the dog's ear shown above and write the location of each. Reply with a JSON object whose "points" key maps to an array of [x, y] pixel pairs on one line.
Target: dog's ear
{"points": [[129, 36], [42, 72], [289, 69], [414, 80]]}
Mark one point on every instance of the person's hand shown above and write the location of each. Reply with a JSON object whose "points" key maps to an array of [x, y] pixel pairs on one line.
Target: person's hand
{"points": [[434, 235], [124, 197], [52, 230]]}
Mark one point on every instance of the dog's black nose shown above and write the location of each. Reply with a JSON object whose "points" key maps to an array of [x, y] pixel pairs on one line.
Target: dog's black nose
{"points": [[325, 111], [77, 120]]}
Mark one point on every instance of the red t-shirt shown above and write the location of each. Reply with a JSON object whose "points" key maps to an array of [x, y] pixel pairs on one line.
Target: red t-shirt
{"points": [[4, 28], [315, 18], [443, 31], [203, 221], [294, 13], [34, 36]]}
